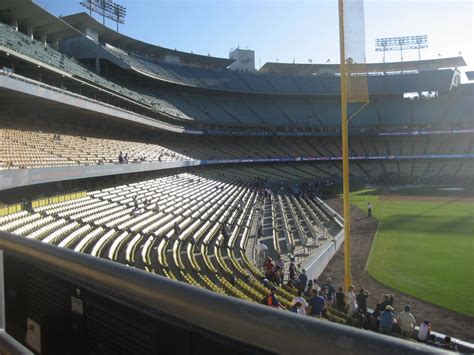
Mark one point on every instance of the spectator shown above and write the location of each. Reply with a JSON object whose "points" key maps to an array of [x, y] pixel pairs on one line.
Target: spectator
{"points": [[261, 249], [301, 300], [296, 308], [309, 288], [361, 299], [448, 344], [260, 228], [341, 300], [240, 205], [324, 294], [424, 331], [315, 286], [330, 290], [226, 232], [277, 276], [292, 269], [269, 267], [120, 158], [407, 322], [351, 301], [177, 229], [316, 305], [362, 320], [271, 300], [280, 263], [302, 280], [369, 209], [388, 300], [387, 320]]}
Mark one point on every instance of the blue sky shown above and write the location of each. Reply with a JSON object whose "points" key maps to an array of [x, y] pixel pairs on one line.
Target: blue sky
{"points": [[290, 29]]}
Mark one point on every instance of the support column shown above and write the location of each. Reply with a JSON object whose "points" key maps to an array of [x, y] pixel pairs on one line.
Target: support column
{"points": [[43, 39], [14, 23], [29, 31], [97, 65]]}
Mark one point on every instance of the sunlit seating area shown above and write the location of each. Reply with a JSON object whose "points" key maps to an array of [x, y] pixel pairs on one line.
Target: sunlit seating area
{"points": [[173, 226]]}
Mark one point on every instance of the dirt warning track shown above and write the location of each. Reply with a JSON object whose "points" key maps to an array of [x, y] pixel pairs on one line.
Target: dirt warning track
{"points": [[363, 233]]}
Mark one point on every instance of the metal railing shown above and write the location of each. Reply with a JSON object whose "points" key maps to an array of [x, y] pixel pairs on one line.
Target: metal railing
{"points": [[251, 323], [10, 346]]}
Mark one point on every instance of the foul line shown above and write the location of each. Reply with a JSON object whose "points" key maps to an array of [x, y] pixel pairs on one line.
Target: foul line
{"points": [[375, 236]]}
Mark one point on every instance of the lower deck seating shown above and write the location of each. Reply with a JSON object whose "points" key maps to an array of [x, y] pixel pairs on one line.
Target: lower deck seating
{"points": [[171, 226]]}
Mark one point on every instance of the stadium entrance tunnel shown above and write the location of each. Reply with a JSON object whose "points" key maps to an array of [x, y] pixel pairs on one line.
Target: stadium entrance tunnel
{"points": [[61, 302]]}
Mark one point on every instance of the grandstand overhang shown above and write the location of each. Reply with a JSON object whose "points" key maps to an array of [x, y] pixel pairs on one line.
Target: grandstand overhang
{"points": [[85, 23], [418, 65], [45, 99], [42, 23]]}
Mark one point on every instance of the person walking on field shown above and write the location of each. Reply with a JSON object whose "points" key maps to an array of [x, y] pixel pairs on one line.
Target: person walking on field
{"points": [[369, 209]]}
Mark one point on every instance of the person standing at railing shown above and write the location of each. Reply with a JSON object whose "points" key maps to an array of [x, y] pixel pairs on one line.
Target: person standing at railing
{"points": [[361, 299], [330, 291], [351, 301], [341, 300]]}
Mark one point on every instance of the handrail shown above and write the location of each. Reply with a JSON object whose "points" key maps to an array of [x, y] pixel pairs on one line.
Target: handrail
{"points": [[10, 346], [251, 323]]}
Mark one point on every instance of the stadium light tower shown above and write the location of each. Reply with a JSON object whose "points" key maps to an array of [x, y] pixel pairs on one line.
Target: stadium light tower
{"points": [[401, 43], [107, 9]]}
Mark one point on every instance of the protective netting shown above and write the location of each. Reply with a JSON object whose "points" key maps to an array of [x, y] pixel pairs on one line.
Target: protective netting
{"points": [[354, 45]]}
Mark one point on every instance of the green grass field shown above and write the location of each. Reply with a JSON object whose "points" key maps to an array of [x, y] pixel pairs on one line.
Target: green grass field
{"points": [[425, 249]]}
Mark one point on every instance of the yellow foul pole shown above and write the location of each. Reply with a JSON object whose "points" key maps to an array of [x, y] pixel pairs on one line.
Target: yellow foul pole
{"points": [[345, 152]]}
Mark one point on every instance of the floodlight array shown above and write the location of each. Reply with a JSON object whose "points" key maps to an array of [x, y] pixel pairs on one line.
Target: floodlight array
{"points": [[397, 43], [106, 8]]}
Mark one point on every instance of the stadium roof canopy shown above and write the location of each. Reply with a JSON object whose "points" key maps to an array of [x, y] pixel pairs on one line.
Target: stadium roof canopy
{"points": [[83, 21], [419, 65], [29, 14], [470, 75]]}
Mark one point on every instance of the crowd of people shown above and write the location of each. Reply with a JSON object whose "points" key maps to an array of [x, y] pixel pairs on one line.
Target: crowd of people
{"points": [[317, 301]]}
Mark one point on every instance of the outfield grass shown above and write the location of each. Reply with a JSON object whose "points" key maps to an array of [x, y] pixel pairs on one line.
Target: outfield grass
{"points": [[425, 249]]}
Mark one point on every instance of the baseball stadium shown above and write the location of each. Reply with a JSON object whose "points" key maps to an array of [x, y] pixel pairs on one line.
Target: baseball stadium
{"points": [[160, 201]]}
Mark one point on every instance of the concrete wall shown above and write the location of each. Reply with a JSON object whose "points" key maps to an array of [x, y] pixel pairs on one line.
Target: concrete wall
{"points": [[23, 177], [315, 265]]}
